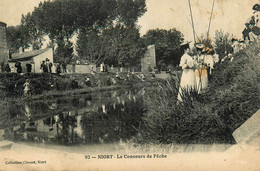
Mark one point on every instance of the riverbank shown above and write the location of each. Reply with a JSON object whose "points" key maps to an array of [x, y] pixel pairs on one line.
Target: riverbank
{"points": [[46, 85], [231, 97]]}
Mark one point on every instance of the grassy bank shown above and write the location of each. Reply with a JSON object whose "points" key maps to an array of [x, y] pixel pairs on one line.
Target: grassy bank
{"points": [[231, 98], [52, 85]]}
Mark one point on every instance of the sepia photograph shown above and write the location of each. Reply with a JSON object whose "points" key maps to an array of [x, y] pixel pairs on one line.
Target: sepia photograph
{"points": [[130, 85]]}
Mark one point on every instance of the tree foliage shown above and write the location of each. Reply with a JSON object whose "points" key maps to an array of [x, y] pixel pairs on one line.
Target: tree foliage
{"points": [[118, 46], [60, 19], [166, 45], [14, 38], [25, 35]]}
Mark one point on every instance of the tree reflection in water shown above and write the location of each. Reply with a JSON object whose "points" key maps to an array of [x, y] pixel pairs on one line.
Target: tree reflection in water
{"points": [[83, 120]]}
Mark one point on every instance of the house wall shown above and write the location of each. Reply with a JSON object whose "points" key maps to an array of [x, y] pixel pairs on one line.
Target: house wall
{"points": [[4, 52], [42, 57], [80, 68], [84, 68]]}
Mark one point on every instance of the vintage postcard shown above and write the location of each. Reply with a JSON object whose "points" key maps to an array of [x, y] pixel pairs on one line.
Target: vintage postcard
{"points": [[129, 85]]}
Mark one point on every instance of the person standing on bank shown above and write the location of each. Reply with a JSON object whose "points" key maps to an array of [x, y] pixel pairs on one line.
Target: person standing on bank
{"points": [[29, 67], [26, 88], [188, 64], [201, 72], [18, 67]]}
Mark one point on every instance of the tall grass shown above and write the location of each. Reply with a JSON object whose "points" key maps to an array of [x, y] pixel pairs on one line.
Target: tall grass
{"points": [[231, 98]]}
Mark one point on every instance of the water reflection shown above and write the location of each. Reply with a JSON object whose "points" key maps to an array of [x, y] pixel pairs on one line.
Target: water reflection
{"points": [[85, 119]]}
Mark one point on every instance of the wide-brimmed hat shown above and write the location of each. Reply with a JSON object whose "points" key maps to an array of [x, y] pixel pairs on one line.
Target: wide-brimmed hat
{"points": [[233, 39], [185, 43], [256, 7], [199, 46]]}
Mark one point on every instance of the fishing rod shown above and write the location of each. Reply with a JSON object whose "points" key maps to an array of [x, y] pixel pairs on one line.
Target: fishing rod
{"points": [[210, 18], [188, 21], [192, 23]]}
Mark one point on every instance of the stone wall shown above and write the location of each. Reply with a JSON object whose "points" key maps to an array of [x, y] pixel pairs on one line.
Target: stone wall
{"points": [[149, 59]]}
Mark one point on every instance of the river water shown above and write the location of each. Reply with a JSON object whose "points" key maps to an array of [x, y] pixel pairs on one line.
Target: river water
{"points": [[85, 119]]}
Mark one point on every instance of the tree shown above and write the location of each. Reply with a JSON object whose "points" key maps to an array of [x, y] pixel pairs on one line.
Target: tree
{"points": [[61, 19], [24, 35], [112, 44], [118, 46], [31, 32], [129, 11], [166, 45], [14, 38]]}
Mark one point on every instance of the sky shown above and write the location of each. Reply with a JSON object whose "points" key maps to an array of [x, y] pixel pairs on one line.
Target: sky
{"points": [[228, 15]]}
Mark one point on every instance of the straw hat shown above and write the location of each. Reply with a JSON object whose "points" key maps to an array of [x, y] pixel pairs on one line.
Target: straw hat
{"points": [[200, 46]]}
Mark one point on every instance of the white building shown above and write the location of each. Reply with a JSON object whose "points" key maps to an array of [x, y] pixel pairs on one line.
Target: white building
{"points": [[35, 58]]}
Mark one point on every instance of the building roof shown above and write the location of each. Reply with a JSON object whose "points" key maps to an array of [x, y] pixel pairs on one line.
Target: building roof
{"points": [[26, 55], [2, 24]]}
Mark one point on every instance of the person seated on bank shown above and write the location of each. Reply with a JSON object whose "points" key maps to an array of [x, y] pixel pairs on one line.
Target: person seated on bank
{"points": [[87, 82], [254, 32], [188, 64], [235, 45]]}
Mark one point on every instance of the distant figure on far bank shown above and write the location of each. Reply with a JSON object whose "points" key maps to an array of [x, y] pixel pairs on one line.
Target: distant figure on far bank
{"points": [[188, 64], [26, 88], [102, 67], [29, 67], [58, 69], [18, 67], [7, 68], [64, 67], [44, 67]]}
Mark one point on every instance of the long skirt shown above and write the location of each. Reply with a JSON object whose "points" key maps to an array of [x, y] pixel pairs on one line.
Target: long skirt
{"points": [[188, 81], [202, 81]]}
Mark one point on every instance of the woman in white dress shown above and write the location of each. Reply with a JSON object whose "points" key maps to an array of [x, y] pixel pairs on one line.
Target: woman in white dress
{"points": [[188, 65]]}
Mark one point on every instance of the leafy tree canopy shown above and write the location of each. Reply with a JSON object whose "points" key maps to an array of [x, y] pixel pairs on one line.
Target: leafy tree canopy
{"points": [[166, 45], [118, 46]]}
